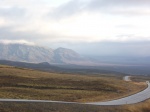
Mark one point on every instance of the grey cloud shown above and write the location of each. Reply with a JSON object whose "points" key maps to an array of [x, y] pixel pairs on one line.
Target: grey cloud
{"points": [[68, 9], [138, 48], [115, 3], [12, 12], [123, 7], [7, 33], [126, 26], [95, 49], [126, 35], [107, 48]]}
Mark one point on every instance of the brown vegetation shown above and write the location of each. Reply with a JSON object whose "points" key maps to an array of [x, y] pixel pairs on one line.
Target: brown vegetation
{"points": [[30, 84], [57, 107]]}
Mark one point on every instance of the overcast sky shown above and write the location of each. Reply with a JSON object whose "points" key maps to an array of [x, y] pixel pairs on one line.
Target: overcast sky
{"points": [[91, 27]]}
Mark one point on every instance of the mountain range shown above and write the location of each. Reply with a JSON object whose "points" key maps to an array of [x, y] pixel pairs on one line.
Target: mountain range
{"points": [[62, 56], [62, 59], [38, 54]]}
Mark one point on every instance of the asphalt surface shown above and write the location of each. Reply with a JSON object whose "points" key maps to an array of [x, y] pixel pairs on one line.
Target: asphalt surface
{"points": [[136, 98], [127, 78]]}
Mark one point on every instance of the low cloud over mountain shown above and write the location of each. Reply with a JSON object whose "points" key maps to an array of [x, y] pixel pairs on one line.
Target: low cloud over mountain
{"points": [[37, 54]]}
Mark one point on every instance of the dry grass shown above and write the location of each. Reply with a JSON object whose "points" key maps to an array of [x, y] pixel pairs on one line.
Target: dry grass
{"points": [[32, 84], [140, 78], [53, 107], [57, 107], [140, 107]]}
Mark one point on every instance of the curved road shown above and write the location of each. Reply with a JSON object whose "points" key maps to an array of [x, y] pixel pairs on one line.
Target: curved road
{"points": [[136, 98], [127, 78]]}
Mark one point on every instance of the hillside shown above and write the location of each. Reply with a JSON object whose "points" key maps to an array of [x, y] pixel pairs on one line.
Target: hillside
{"points": [[55, 107], [45, 66], [19, 83]]}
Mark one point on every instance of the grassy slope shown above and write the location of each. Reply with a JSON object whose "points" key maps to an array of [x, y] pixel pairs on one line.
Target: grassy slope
{"points": [[53, 107], [140, 78], [31, 84]]}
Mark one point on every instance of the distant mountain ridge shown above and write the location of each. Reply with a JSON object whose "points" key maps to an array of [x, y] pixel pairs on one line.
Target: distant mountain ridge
{"points": [[37, 54], [44, 66]]}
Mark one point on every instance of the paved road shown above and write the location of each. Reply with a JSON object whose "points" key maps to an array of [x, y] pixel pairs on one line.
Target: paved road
{"points": [[127, 78], [136, 98]]}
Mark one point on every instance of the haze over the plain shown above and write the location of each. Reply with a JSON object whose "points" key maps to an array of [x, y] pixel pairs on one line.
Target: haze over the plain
{"points": [[90, 27]]}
